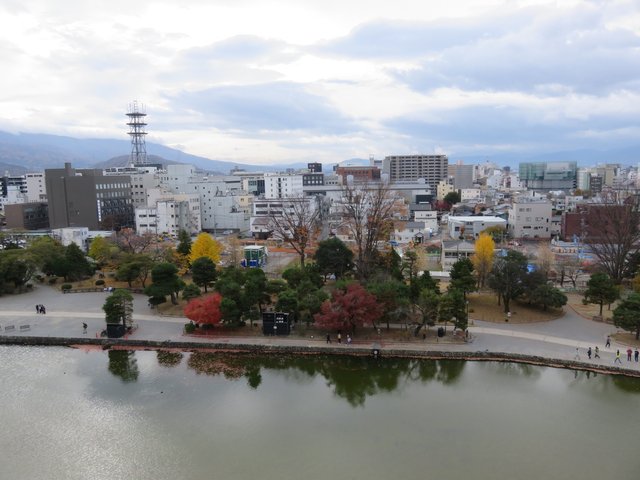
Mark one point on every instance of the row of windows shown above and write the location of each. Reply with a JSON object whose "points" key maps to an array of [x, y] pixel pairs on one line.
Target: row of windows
{"points": [[110, 186]]}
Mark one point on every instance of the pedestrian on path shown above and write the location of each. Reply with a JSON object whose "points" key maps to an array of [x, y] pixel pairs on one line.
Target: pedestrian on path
{"points": [[42, 310], [577, 357], [618, 357], [348, 339], [37, 308], [84, 327], [589, 353], [328, 338], [629, 352], [596, 352], [635, 354], [339, 337], [608, 344]]}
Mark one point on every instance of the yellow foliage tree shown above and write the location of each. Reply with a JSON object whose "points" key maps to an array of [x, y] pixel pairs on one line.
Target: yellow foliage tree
{"points": [[206, 246], [483, 257]]}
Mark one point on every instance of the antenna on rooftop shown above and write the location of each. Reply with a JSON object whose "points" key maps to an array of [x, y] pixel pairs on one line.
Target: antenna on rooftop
{"points": [[136, 124]]}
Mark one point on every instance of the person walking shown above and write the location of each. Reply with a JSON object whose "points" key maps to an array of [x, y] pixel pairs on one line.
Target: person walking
{"points": [[84, 327], [42, 310], [618, 357], [608, 343], [577, 356], [629, 353], [37, 308], [596, 353], [589, 353], [339, 337], [636, 354], [348, 339], [328, 338]]}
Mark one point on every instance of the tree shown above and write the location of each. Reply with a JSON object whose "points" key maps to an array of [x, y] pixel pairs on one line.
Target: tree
{"points": [[454, 307], [333, 257], [205, 310], [497, 233], [255, 289], [184, 243], [288, 303], [77, 265], [230, 285], [203, 272], [545, 259], [129, 241], [348, 309], [118, 307], [191, 291], [569, 267], [165, 281], [296, 223], [100, 249], [367, 212], [42, 250], [548, 296], [135, 266], [452, 198], [462, 276], [507, 277], [428, 304], [16, 268], [296, 275], [627, 314], [483, 257], [127, 272], [205, 246], [601, 289], [392, 295], [612, 231]]}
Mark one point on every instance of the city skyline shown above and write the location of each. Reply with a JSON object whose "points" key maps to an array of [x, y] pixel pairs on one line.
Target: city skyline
{"points": [[266, 83]]}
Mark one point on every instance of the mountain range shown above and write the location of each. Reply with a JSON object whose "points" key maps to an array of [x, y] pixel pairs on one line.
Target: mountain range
{"points": [[34, 152], [23, 152]]}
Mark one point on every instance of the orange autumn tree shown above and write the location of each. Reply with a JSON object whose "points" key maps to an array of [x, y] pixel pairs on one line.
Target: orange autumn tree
{"points": [[205, 311], [349, 308]]}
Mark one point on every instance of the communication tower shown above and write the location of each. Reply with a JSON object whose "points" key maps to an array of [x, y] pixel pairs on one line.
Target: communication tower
{"points": [[136, 124]]}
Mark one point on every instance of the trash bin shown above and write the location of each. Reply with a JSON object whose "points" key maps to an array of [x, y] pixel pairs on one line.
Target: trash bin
{"points": [[441, 331]]}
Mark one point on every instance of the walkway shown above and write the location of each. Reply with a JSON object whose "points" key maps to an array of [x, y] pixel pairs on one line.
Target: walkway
{"points": [[556, 339]]}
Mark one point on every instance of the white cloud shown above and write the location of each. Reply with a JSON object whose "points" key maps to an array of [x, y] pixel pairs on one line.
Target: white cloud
{"points": [[286, 80]]}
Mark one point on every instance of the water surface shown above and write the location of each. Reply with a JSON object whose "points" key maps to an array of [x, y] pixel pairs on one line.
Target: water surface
{"points": [[69, 414]]}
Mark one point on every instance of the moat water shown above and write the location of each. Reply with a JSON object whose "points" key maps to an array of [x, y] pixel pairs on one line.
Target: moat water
{"points": [[71, 414]]}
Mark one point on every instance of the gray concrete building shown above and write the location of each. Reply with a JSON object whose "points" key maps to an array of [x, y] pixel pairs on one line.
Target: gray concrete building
{"points": [[88, 198]]}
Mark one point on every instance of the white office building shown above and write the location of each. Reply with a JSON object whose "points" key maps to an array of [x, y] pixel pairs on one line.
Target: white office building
{"points": [[530, 218]]}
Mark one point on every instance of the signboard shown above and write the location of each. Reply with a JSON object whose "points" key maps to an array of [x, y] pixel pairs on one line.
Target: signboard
{"points": [[276, 323]]}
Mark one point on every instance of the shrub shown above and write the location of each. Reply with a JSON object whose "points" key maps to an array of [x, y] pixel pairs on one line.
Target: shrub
{"points": [[65, 286], [189, 327], [52, 280], [99, 283], [29, 286]]}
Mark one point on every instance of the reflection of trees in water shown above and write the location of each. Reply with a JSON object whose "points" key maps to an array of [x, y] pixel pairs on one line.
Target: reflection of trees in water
{"points": [[169, 359], [516, 369], [352, 378], [123, 364], [626, 384]]}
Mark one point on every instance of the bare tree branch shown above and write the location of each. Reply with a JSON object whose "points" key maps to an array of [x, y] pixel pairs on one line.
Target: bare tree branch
{"points": [[295, 223]]}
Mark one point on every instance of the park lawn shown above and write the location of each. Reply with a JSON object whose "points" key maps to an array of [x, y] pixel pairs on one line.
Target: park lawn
{"points": [[484, 306], [590, 310]]}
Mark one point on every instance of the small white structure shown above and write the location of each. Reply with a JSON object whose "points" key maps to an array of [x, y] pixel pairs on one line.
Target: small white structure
{"points": [[467, 225], [67, 236], [415, 232], [454, 250]]}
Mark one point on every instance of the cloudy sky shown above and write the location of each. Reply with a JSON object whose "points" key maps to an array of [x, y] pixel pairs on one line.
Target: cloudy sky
{"points": [[277, 81]]}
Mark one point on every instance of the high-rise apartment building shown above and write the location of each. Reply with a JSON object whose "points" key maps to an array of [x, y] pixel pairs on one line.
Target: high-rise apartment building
{"points": [[431, 168]]}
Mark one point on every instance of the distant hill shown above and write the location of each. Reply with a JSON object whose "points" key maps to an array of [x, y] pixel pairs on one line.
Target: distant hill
{"points": [[12, 169], [39, 151]]}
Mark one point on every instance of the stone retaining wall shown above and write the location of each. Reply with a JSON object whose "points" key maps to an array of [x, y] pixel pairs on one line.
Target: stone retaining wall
{"points": [[107, 343]]}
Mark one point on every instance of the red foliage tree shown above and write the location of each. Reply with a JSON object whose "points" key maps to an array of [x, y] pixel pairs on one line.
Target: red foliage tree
{"points": [[348, 309], [205, 310]]}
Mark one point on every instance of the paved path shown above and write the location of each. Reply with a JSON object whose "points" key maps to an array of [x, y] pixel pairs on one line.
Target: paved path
{"points": [[65, 314]]}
